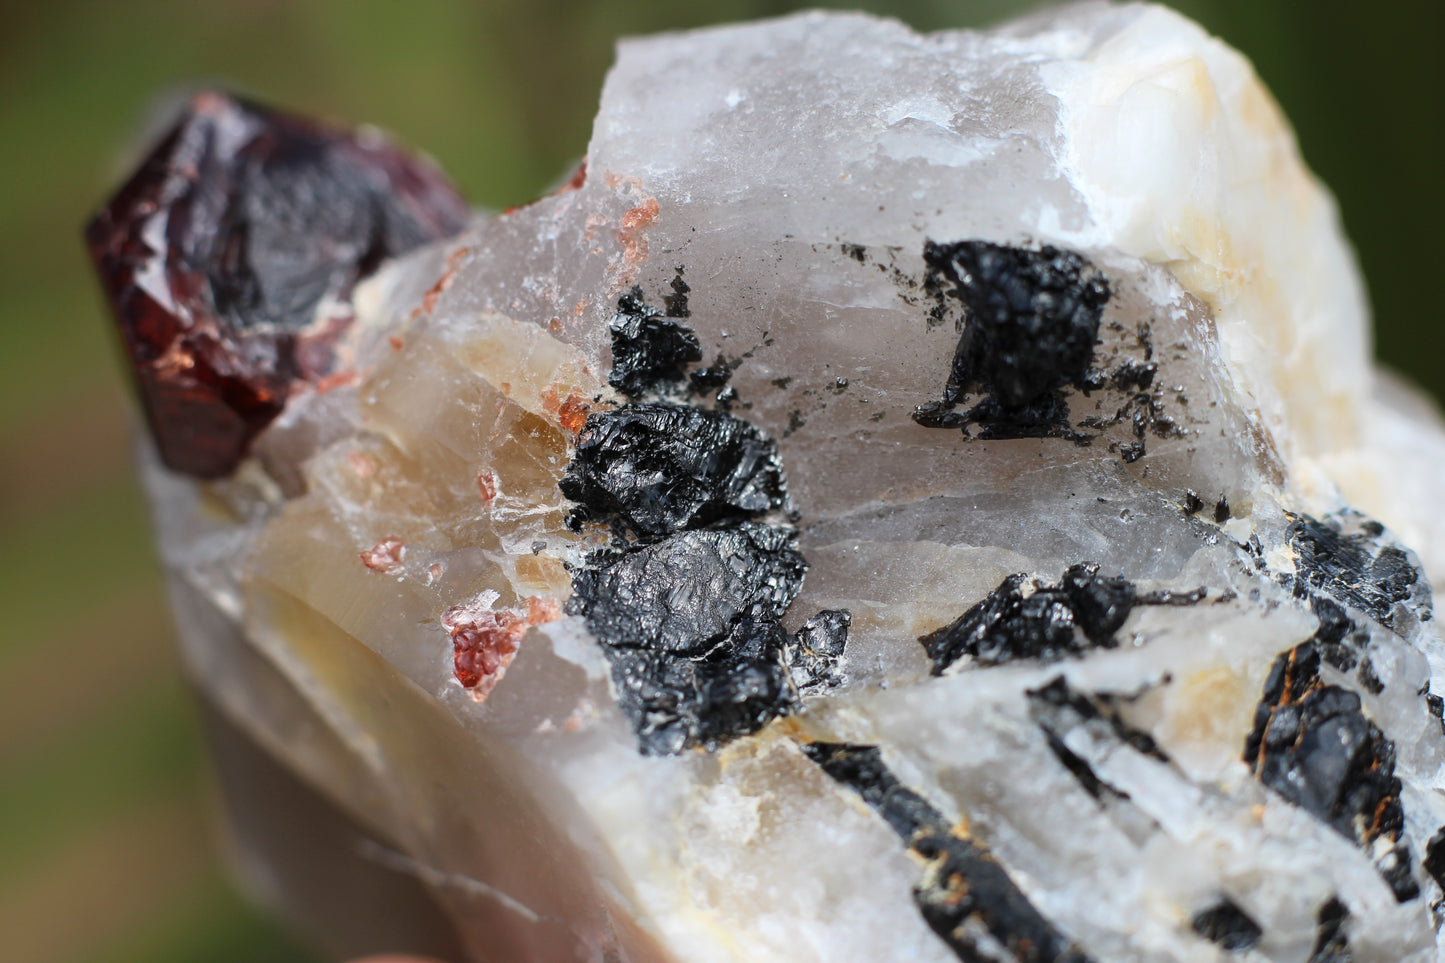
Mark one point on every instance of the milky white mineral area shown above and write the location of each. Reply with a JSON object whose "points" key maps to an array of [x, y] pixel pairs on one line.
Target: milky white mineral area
{"points": [[1154, 793]]}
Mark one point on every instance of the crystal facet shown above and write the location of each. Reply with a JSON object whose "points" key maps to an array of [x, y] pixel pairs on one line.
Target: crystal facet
{"points": [[230, 257]]}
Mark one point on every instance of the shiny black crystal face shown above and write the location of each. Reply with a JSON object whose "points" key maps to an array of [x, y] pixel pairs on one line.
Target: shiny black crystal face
{"points": [[230, 256], [1354, 567], [746, 573], [661, 468]]}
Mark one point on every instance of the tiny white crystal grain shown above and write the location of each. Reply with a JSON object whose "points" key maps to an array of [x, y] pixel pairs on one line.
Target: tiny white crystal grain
{"points": [[1041, 351]]}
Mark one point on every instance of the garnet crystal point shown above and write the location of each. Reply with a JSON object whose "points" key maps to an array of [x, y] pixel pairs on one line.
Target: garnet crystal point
{"points": [[230, 256]]}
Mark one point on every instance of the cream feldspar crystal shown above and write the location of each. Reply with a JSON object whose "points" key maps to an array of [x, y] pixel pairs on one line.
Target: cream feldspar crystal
{"points": [[1221, 458]]}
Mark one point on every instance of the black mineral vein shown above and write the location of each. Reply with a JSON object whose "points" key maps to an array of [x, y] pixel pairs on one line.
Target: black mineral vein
{"points": [[1042, 621], [1058, 709], [687, 602], [964, 894]]}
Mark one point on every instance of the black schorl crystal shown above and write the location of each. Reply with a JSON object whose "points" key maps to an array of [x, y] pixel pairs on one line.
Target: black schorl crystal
{"points": [[1436, 705], [1435, 858], [1313, 744], [1332, 944], [1358, 568], [861, 769], [1221, 510], [714, 377], [687, 604], [1338, 639], [648, 350], [1344, 642], [691, 626], [1032, 320], [665, 467], [734, 689], [1056, 718], [1228, 925], [814, 652], [1014, 623], [1008, 624], [636, 598], [965, 895]]}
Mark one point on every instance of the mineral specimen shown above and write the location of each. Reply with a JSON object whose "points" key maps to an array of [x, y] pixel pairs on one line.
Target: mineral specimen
{"points": [[1025, 578]]}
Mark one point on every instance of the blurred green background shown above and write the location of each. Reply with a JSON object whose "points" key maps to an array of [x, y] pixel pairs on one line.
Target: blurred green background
{"points": [[105, 846]]}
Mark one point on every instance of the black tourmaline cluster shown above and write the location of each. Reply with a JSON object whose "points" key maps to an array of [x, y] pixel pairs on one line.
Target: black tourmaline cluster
{"points": [[1312, 741], [689, 601], [1313, 744], [1032, 319], [717, 467], [1027, 619]]}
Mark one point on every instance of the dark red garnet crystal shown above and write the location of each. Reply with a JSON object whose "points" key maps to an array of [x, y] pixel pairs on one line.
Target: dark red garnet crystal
{"points": [[230, 256]]}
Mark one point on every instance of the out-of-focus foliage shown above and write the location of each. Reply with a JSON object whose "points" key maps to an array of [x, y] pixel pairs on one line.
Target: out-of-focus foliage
{"points": [[105, 854]]}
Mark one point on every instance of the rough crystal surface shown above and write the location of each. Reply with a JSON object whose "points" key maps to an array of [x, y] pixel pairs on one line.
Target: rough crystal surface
{"points": [[660, 468], [1039, 570]]}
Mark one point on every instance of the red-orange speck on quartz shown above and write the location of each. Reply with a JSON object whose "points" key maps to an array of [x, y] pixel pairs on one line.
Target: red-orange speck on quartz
{"points": [[487, 485], [385, 556], [340, 379], [485, 641], [571, 411], [540, 610], [362, 464], [575, 182], [634, 223], [219, 326], [434, 294]]}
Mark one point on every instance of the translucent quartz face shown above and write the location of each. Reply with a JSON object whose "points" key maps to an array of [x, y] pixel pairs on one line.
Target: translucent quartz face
{"points": [[905, 497]]}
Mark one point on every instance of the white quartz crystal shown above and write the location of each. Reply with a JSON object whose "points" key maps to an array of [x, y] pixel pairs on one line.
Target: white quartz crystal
{"points": [[790, 174]]}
